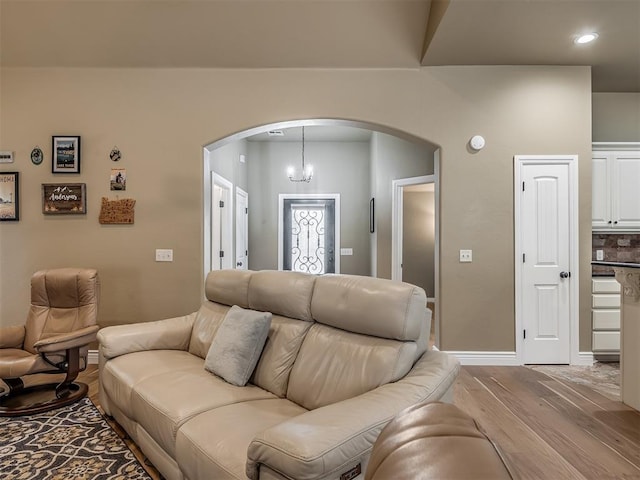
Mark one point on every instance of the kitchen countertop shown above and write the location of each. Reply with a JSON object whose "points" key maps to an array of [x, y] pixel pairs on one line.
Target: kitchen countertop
{"points": [[617, 264]]}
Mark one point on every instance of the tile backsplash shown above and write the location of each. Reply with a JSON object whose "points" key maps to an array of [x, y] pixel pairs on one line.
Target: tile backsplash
{"points": [[618, 247]]}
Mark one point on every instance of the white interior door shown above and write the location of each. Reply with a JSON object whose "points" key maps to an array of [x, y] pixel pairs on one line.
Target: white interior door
{"points": [[242, 229], [221, 223], [544, 229]]}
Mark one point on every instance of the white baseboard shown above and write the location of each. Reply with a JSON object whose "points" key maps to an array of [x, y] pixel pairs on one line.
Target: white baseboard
{"points": [[93, 357], [508, 358], [487, 358], [584, 358]]}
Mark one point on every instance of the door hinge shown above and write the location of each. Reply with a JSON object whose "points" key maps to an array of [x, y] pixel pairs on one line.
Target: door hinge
{"points": [[221, 253], [523, 186], [524, 334], [246, 252], [523, 258], [246, 210], [221, 203]]}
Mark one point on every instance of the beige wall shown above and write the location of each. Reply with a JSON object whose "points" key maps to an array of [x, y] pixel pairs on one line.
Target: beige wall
{"points": [[616, 117], [418, 240], [160, 119]]}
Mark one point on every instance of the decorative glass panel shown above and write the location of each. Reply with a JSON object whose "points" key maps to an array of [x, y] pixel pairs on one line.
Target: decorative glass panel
{"points": [[307, 239]]}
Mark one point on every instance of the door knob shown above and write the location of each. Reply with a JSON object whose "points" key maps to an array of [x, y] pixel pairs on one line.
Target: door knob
{"points": [[565, 274]]}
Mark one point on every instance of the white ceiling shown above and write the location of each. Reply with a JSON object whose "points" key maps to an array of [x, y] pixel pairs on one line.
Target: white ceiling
{"points": [[324, 34]]}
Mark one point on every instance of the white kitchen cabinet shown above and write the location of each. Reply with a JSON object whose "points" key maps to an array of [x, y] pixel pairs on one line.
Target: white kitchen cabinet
{"points": [[615, 187], [605, 315]]}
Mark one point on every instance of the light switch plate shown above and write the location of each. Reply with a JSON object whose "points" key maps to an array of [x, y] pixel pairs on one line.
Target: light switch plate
{"points": [[466, 256], [346, 251], [6, 156], [164, 255], [599, 255]]}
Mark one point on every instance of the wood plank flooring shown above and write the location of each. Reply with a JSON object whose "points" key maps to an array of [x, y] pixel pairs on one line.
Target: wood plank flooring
{"points": [[548, 428], [551, 428]]}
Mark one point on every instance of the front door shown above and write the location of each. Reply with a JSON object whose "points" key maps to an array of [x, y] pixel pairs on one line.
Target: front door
{"points": [[545, 239], [309, 234]]}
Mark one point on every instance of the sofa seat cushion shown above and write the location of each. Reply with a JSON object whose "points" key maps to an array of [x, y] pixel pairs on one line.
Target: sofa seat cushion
{"points": [[162, 403], [121, 374], [214, 444]]}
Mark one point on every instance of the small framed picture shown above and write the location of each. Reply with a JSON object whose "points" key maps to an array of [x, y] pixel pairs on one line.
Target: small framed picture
{"points": [[9, 196], [64, 198], [65, 154], [118, 179]]}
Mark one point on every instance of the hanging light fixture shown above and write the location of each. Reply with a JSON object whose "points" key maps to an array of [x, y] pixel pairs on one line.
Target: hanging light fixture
{"points": [[307, 171]]}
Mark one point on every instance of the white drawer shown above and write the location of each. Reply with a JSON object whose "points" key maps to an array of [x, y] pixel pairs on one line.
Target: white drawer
{"points": [[606, 319], [606, 342], [605, 285], [606, 300]]}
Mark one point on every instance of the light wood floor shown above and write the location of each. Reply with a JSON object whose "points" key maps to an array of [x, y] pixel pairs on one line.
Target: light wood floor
{"points": [[548, 428]]}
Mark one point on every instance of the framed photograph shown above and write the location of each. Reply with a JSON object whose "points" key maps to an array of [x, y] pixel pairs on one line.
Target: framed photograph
{"points": [[65, 154], [64, 198], [9, 196], [118, 179]]}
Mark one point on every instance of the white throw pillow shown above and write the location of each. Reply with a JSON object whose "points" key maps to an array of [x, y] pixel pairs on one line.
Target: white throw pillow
{"points": [[237, 345]]}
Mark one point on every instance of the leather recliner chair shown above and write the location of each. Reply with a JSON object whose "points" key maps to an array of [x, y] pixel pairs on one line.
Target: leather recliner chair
{"points": [[435, 441], [60, 326]]}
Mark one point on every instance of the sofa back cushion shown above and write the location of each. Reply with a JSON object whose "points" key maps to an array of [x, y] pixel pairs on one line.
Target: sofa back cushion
{"points": [[282, 293], [208, 319], [371, 306], [228, 287], [279, 354], [334, 365]]}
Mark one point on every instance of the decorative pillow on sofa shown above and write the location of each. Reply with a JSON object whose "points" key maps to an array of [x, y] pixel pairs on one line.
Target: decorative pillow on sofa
{"points": [[237, 345]]}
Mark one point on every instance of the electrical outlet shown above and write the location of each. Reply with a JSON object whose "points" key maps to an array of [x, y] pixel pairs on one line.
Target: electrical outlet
{"points": [[466, 256], [599, 255], [164, 255]]}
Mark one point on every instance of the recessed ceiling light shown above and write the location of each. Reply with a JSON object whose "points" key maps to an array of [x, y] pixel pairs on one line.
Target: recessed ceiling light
{"points": [[586, 38]]}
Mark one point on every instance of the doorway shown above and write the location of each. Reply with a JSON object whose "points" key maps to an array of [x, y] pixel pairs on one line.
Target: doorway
{"points": [[221, 223], [242, 229], [546, 259], [309, 233]]}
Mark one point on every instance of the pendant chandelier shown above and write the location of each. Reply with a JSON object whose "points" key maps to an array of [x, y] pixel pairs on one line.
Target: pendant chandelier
{"points": [[307, 171]]}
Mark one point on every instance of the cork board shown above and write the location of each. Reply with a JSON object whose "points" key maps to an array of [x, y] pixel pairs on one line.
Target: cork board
{"points": [[117, 211]]}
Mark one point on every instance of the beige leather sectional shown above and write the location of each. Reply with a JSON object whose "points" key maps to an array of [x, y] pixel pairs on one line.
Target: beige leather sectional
{"points": [[344, 355]]}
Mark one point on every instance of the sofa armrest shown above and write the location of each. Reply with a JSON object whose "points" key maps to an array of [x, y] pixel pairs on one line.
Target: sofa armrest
{"points": [[329, 441], [64, 341], [169, 334], [12, 337]]}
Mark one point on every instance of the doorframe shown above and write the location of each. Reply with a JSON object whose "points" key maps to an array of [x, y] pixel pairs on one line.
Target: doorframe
{"points": [[574, 250], [310, 196], [241, 193], [219, 180], [396, 233]]}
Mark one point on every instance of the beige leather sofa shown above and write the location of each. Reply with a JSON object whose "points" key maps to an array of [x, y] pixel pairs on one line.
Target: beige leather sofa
{"points": [[435, 441], [344, 355]]}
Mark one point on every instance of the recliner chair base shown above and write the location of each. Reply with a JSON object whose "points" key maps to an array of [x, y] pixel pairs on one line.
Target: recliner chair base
{"points": [[40, 398]]}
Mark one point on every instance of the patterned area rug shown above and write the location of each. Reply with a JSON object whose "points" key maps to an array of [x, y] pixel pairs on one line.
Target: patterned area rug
{"points": [[70, 443]]}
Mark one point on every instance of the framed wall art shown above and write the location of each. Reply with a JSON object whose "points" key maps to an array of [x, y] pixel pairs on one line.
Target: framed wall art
{"points": [[65, 154], [9, 196], [64, 198]]}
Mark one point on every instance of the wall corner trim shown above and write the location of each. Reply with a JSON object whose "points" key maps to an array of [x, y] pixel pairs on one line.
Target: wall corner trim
{"points": [[92, 357]]}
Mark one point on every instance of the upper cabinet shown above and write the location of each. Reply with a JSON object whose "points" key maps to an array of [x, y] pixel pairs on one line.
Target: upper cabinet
{"points": [[616, 187]]}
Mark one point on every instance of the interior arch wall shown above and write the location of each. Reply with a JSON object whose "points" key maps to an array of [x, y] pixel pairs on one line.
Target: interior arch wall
{"points": [[160, 119]]}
